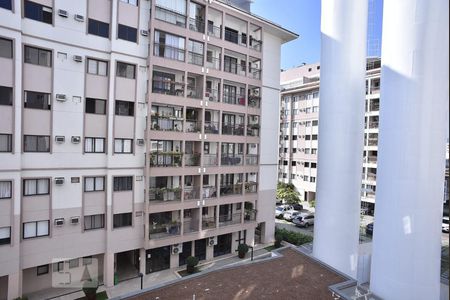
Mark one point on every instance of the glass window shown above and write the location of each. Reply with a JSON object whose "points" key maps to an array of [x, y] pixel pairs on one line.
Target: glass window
{"points": [[38, 12], [35, 229], [123, 145], [5, 142], [94, 222], [87, 260], [132, 2], [97, 67], [94, 145], [127, 33], [169, 46], [41, 270], [6, 49], [92, 184], [95, 106], [123, 183], [36, 143], [36, 187], [37, 100], [5, 189], [5, 235], [38, 56], [98, 28], [58, 267], [122, 220], [6, 95], [124, 108], [125, 70]]}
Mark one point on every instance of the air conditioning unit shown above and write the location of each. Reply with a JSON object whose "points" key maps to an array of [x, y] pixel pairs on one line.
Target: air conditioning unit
{"points": [[76, 139], [212, 241], [74, 220], [144, 32], [78, 58], [59, 180], [177, 248], [63, 13], [140, 142], [79, 18], [60, 139], [58, 222], [61, 97]]}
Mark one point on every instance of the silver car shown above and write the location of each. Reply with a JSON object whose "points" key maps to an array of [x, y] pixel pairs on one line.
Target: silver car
{"points": [[290, 215], [304, 220]]}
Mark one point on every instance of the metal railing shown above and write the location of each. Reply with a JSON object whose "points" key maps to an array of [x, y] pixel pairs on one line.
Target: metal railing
{"points": [[212, 94], [255, 44], [190, 226], [212, 127], [196, 25], [170, 16], [213, 63], [166, 124], [251, 159], [232, 160], [232, 129], [194, 92], [250, 215], [192, 159], [254, 73], [193, 126], [371, 159], [225, 220], [208, 223], [210, 160], [372, 176], [254, 101], [168, 87], [214, 31], [253, 130], [372, 142], [373, 124], [195, 58], [169, 52], [191, 193], [233, 98], [234, 68], [158, 231], [209, 192], [231, 189], [374, 106], [165, 159], [251, 187], [236, 38], [164, 194]]}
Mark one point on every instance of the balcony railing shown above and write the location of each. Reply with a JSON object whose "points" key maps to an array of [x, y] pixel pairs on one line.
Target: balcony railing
{"points": [[214, 31], [254, 101], [253, 130], [231, 189], [190, 226], [159, 231], [170, 16], [251, 159], [164, 194], [225, 220], [371, 159], [161, 159], [195, 58], [196, 25], [251, 187], [191, 193], [254, 73], [169, 52], [233, 98], [213, 63], [250, 215], [234, 68], [371, 176], [210, 160], [167, 124], [374, 107], [209, 192], [212, 127], [255, 44], [373, 125], [193, 126], [168, 87], [236, 38], [192, 159], [208, 223], [194, 92], [372, 142], [232, 129], [212, 94], [232, 160]]}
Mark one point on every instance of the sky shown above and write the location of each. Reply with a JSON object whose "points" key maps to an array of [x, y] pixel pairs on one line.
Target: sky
{"points": [[303, 18]]}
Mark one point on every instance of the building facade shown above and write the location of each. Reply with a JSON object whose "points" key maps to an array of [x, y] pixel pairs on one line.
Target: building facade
{"points": [[133, 134], [299, 126]]}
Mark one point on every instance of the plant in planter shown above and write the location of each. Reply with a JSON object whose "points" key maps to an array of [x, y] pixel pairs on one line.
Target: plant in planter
{"points": [[278, 240], [242, 250], [90, 289], [191, 264]]}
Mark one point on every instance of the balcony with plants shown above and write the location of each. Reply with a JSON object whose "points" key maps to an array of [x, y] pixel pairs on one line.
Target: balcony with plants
{"points": [[253, 125], [191, 187], [164, 188], [254, 97], [164, 225], [165, 153], [168, 82], [230, 214], [167, 118]]}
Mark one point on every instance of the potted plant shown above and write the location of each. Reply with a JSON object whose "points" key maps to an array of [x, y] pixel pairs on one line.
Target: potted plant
{"points": [[191, 264], [90, 289], [242, 250]]}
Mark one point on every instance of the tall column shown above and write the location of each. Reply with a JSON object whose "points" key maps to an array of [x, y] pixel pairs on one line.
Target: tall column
{"points": [[341, 132], [413, 130]]}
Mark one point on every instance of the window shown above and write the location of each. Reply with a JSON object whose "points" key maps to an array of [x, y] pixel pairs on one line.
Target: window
{"points": [[126, 70], [94, 184], [315, 123], [124, 108], [37, 100], [123, 183], [169, 46], [36, 143], [132, 2], [87, 260], [94, 145], [6, 49], [36, 229], [58, 266], [42, 270], [313, 179], [314, 165], [5, 235], [36, 187], [98, 28], [313, 151], [74, 263], [95, 106], [94, 222], [5, 189], [122, 220], [5, 142], [127, 33], [123, 145], [5, 95], [38, 12], [97, 67], [38, 56]]}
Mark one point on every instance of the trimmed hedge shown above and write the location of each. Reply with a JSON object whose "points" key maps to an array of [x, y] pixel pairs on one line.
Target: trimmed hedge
{"points": [[293, 237]]}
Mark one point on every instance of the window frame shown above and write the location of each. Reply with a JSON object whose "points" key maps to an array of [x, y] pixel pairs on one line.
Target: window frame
{"points": [[37, 143], [118, 186], [48, 100], [94, 139], [129, 33], [92, 217], [121, 221], [6, 241], [95, 184], [36, 193], [10, 189], [27, 58], [40, 273], [97, 64], [119, 104], [8, 143], [121, 64], [11, 54], [40, 14], [122, 143], [36, 224], [128, 2], [95, 100], [93, 22], [8, 90]]}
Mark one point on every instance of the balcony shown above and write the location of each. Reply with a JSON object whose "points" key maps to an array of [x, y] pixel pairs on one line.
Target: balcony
{"points": [[169, 52], [191, 193], [254, 101], [253, 130], [211, 127], [251, 159], [190, 225], [372, 142], [231, 189], [212, 94], [195, 58], [250, 215], [373, 125], [210, 160], [166, 159], [193, 126], [208, 223], [197, 25], [229, 219], [159, 231], [166, 123], [255, 44], [164, 194], [168, 87], [234, 67], [232, 160], [233, 129], [372, 176], [209, 192], [213, 62], [254, 73], [192, 159], [371, 159], [251, 187], [170, 16], [235, 37], [231, 97]]}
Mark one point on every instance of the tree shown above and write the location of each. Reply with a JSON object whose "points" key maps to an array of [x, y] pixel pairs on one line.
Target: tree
{"points": [[288, 193]]}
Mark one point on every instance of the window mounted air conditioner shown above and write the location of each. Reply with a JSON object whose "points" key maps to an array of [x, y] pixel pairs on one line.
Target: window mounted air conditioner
{"points": [[74, 220], [212, 241], [63, 13], [177, 248], [60, 139], [144, 32], [59, 180], [61, 97], [78, 58], [140, 142], [76, 139], [59, 222], [79, 18]]}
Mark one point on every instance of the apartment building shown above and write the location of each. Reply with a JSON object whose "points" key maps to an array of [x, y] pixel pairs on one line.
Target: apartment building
{"points": [[133, 134], [299, 124]]}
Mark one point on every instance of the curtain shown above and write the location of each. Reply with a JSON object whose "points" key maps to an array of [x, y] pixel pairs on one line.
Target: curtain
{"points": [[88, 222], [118, 146], [92, 66], [99, 183], [5, 233], [30, 187], [29, 230], [99, 143], [88, 145], [30, 143], [42, 228], [5, 189], [127, 146], [89, 184], [42, 186]]}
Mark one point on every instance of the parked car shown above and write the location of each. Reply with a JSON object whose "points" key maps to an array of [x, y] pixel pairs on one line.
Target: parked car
{"points": [[445, 221], [280, 210], [290, 215], [369, 229], [304, 220], [297, 206]]}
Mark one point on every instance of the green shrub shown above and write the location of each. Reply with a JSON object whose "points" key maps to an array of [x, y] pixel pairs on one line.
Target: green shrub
{"points": [[278, 239], [292, 237], [242, 250], [90, 289], [191, 263]]}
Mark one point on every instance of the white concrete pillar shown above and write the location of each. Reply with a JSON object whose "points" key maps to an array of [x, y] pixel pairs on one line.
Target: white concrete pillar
{"points": [[108, 272], [341, 129], [14, 285], [142, 260], [411, 156]]}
